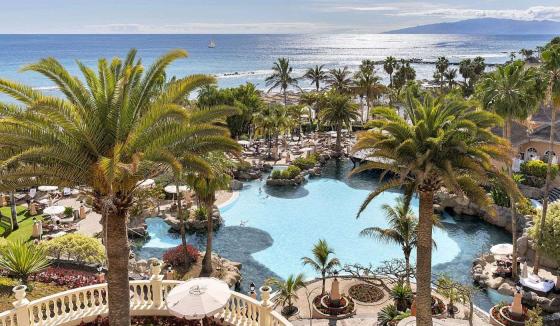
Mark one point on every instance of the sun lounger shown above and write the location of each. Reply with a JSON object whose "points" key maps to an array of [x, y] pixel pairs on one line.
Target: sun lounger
{"points": [[536, 284]]}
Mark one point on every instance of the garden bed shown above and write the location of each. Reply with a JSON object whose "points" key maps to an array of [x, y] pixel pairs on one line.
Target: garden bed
{"points": [[38, 290], [366, 293], [155, 321]]}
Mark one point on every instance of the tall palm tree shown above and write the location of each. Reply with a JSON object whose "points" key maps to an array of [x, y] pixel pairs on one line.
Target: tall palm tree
{"points": [[339, 111], [108, 132], [340, 79], [551, 60], [442, 64], [389, 65], [205, 186], [450, 75], [512, 92], [401, 230], [270, 122], [281, 77], [321, 261], [316, 76], [367, 84], [311, 99], [446, 144]]}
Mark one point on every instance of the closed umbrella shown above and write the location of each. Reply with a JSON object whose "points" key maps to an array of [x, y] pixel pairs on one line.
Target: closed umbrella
{"points": [[198, 298]]}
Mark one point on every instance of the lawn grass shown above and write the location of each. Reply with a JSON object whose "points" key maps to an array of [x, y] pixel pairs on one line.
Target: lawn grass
{"points": [[25, 224], [38, 290]]}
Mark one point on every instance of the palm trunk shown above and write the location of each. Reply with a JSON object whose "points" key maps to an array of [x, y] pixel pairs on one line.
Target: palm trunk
{"points": [[538, 253], [424, 259], [362, 109], [117, 262], [338, 148], [181, 220], [324, 281], [367, 111], [513, 211], [407, 268], [285, 97], [207, 260], [13, 211]]}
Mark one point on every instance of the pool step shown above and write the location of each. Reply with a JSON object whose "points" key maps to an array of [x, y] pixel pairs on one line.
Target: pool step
{"points": [[554, 195]]}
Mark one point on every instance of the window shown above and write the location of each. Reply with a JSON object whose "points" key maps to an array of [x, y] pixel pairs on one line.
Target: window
{"points": [[531, 153]]}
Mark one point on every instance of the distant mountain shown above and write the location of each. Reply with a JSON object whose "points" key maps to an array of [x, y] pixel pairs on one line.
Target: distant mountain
{"points": [[486, 26]]}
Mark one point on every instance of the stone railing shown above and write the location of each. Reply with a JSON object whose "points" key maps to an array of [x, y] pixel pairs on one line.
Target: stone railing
{"points": [[147, 299]]}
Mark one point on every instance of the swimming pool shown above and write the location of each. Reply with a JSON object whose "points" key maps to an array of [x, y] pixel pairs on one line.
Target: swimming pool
{"points": [[269, 229]]}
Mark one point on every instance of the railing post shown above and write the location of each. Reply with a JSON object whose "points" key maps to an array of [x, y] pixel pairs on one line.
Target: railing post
{"points": [[156, 281], [265, 306], [21, 306]]}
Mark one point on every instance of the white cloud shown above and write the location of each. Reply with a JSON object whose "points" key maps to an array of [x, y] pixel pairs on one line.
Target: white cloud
{"points": [[198, 27], [532, 13], [364, 8]]}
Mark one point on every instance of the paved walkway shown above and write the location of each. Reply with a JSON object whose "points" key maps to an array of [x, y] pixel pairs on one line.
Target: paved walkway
{"points": [[88, 226]]}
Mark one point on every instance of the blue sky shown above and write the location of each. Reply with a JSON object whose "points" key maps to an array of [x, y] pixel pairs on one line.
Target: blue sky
{"points": [[253, 16]]}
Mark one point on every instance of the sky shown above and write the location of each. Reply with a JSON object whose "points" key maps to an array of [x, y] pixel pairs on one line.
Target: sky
{"points": [[253, 16]]}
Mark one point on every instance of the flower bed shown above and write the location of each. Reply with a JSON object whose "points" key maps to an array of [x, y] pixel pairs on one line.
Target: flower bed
{"points": [[153, 321], [66, 277], [323, 305], [366, 293]]}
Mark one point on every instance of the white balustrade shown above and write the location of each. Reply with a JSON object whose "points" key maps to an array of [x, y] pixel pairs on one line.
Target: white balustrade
{"points": [[147, 298]]}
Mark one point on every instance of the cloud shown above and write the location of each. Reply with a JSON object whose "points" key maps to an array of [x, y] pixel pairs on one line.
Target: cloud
{"points": [[363, 8], [532, 13], [199, 27]]}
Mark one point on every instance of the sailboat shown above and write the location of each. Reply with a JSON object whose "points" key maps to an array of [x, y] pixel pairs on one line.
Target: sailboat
{"points": [[211, 44]]}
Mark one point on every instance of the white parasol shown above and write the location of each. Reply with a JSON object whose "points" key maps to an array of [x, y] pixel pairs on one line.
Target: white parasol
{"points": [[243, 142], [198, 298], [502, 249], [47, 188], [146, 183], [54, 210], [172, 189]]}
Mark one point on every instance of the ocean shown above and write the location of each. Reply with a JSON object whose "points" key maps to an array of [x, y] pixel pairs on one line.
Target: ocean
{"points": [[237, 59]]}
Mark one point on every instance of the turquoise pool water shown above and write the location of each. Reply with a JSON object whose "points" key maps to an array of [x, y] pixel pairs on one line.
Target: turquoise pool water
{"points": [[270, 229]]}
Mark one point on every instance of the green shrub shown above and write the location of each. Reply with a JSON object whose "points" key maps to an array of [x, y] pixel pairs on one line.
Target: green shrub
{"points": [[549, 244], [276, 174], [200, 214], [21, 259], [68, 211], [537, 168], [78, 247], [243, 165], [292, 171], [305, 163]]}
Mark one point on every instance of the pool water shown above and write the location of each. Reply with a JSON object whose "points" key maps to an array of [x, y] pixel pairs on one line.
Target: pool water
{"points": [[270, 229]]}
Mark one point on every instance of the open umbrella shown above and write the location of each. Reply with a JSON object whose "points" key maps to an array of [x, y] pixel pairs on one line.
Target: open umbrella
{"points": [[502, 249], [54, 210], [243, 142], [172, 189], [47, 188], [146, 183], [198, 298]]}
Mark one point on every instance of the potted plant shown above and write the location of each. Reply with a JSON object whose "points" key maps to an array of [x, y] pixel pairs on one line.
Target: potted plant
{"points": [[402, 296], [287, 292], [156, 268]]}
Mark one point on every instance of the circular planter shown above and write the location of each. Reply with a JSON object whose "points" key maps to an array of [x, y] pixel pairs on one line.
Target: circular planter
{"points": [[366, 294], [321, 300], [501, 317], [289, 311]]}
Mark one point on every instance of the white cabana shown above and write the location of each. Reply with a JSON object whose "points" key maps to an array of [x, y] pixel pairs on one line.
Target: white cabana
{"points": [[172, 189], [54, 210], [47, 188], [146, 183], [502, 249], [198, 298]]}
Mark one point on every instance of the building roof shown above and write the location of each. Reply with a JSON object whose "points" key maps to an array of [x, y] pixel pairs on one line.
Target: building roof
{"points": [[543, 133], [543, 116], [519, 133]]}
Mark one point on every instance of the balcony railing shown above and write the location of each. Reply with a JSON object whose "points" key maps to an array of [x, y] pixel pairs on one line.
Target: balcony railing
{"points": [[147, 299]]}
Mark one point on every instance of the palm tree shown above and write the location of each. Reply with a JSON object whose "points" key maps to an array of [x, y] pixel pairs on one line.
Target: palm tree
{"points": [[321, 262], [311, 99], [551, 60], [367, 84], [511, 92], [442, 64], [119, 128], [449, 75], [205, 186], [389, 65], [316, 75], [339, 111], [270, 121], [446, 144], [340, 79], [527, 54], [287, 290], [401, 230], [281, 77]]}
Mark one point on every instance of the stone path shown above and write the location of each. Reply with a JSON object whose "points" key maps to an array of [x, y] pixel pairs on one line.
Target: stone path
{"points": [[88, 226]]}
